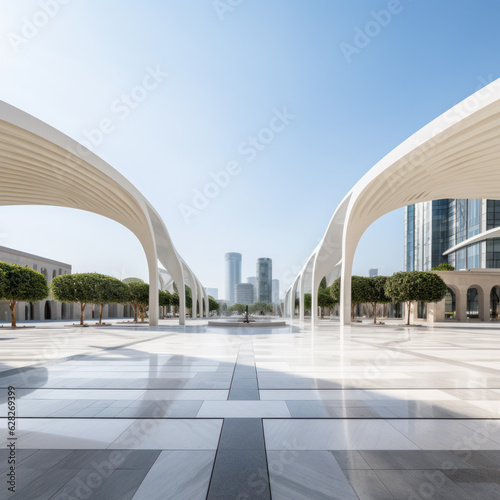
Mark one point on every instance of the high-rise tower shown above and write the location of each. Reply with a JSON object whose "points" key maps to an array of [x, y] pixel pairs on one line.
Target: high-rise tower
{"points": [[233, 274]]}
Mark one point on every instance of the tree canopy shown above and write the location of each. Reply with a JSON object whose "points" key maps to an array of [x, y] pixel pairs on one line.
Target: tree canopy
{"points": [[360, 291], [444, 266], [79, 287], [164, 298], [421, 286], [260, 308], [138, 297], [213, 305], [21, 284], [376, 293], [239, 308], [109, 290]]}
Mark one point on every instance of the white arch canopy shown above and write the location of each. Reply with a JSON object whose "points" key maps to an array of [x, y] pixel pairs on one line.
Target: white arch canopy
{"points": [[457, 155], [41, 166]]}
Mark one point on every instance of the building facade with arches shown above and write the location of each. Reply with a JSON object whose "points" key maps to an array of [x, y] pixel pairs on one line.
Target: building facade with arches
{"points": [[473, 294], [50, 309]]}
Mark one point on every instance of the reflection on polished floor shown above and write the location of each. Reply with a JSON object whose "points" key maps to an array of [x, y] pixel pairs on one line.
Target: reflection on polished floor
{"points": [[197, 412]]}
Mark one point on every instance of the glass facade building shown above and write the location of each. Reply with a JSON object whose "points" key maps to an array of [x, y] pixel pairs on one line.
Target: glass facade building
{"points": [[233, 274], [276, 291], [264, 271], [432, 227], [244, 293]]}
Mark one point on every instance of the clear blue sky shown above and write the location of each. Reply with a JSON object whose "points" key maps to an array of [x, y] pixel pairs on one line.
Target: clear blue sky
{"points": [[219, 79]]}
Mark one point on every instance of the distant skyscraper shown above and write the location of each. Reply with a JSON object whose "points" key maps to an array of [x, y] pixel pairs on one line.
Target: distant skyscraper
{"points": [[214, 292], [276, 291], [244, 293], [372, 273], [253, 280], [233, 274], [264, 273]]}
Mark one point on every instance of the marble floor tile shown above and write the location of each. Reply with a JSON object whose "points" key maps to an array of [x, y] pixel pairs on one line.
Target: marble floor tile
{"points": [[430, 434], [340, 434], [173, 434], [63, 433], [178, 475], [367, 485], [307, 475], [243, 409]]}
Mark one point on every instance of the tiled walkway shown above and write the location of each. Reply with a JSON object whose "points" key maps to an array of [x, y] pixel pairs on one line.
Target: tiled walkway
{"points": [[285, 413]]}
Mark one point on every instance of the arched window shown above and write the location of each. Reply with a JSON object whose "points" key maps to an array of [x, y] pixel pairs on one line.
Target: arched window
{"points": [[47, 312], [472, 303], [495, 302], [450, 304]]}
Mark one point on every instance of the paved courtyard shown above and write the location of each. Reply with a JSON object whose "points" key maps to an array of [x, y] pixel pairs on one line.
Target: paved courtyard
{"points": [[197, 412]]}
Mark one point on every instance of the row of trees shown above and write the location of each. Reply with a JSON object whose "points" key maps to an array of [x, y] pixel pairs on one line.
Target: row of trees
{"points": [[421, 286], [406, 287], [257, 308], [22, 284]]}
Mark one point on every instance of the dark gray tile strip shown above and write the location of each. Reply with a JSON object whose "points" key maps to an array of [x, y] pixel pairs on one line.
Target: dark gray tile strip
{"points": [[240, 468], [244, 384]]}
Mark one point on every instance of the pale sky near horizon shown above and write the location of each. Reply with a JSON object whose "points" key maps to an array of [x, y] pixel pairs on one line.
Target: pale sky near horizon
{"points": [[284, 103]]}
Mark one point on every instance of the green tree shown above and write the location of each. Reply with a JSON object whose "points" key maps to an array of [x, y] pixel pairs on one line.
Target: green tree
{"points": [[377, 293], [213, 305], [189, 299], [325, 299], [175, 301], [239, 308], [108, 290], [421, 286], [80, 288], [307, 301], [21, 284], [360, 291], [2, 282], [138, 294], [164, 300], [444, 266], [132, 280], [260, 308]]}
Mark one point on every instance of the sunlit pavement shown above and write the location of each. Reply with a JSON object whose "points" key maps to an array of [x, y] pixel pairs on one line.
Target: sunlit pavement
{"points": [[369, 412]]}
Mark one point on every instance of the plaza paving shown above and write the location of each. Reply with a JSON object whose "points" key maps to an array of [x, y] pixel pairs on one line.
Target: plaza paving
{"points": [[197, 412]]}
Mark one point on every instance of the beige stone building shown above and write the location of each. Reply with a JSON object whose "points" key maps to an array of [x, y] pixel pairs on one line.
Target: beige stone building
{"points": [[473, 294]]}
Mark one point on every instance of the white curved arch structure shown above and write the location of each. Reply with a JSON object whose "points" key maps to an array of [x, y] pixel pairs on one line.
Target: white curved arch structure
{"points": [[457, 155], [485, 235], [41, 166]]}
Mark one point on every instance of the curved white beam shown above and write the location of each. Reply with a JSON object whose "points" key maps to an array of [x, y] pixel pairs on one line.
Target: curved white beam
{"points": [[41, 166], [455, 156], [486, 235]]}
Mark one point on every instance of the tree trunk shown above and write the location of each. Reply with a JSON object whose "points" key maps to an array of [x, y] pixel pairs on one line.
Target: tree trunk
{"points": [[101, 306], [374, 304], [352, 311], [82, 310], [136, 313], [12, 305], [408, 318]]}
